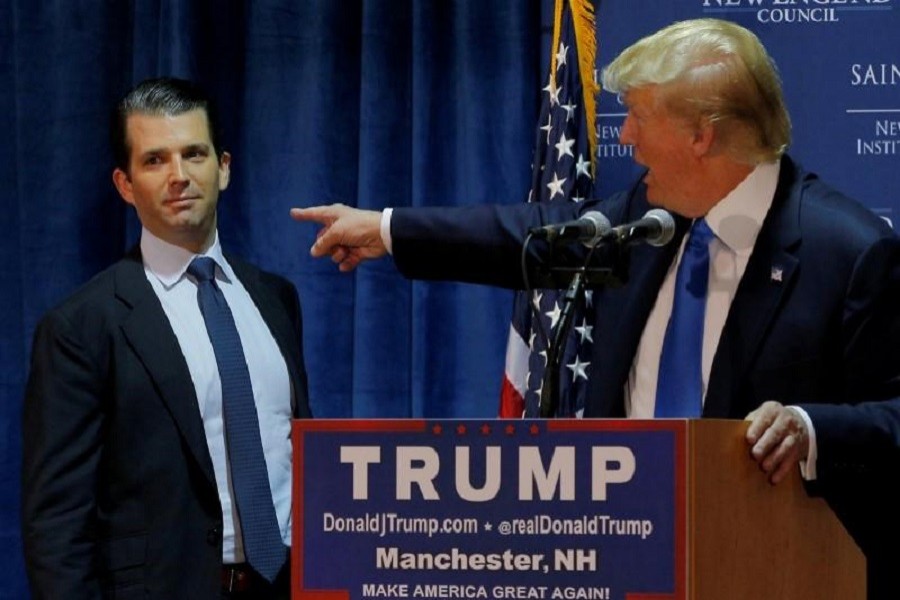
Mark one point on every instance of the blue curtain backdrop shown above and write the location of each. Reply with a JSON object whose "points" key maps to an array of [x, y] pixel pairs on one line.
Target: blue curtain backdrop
{"points": [[376, 104], [371, 103]]}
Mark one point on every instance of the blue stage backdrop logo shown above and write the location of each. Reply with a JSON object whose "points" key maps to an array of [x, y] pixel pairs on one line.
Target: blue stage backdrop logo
{"points": [[792, 12], [874, 108]]}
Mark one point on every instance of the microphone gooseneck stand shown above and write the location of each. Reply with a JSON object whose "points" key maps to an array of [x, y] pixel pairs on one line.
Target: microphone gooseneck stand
{"points": [[550, 389], [656, 228]]}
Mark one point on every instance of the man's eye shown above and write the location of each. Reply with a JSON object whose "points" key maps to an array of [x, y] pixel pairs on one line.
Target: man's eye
{"points": [[153, 160], [195, 155]]}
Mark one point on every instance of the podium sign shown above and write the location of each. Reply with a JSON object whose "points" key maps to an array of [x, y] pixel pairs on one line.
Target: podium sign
{"points": [[570, 509]]}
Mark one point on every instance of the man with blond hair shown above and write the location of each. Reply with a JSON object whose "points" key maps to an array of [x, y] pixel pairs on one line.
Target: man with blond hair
{"points": [[776, 291]]}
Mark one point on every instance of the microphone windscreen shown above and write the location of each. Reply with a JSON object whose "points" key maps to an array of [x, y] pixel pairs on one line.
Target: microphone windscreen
{"points": [[666, 227]]}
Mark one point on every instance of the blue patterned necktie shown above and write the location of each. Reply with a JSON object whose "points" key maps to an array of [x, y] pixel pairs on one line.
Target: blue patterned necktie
{"points": [[263, 547], [679, 391]]}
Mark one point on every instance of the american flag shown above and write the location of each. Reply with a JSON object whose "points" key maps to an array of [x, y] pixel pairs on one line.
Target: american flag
{"points": [[565, 142]]}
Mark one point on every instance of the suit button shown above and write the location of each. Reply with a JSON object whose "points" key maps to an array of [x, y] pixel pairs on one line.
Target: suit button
{"points": [[214, 536]]}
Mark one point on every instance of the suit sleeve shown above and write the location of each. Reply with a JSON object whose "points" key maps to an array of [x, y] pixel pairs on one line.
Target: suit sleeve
{"points": [[852, 436], [867, 427], [858, 440], [483, 243], [859, 454], [872, 324], [62, 425], [480, 244]]}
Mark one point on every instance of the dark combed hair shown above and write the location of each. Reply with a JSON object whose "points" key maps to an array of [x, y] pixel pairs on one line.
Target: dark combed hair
{"points": [[162, 96]]}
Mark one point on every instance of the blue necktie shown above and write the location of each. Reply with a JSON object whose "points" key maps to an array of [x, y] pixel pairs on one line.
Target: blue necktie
{"points": [[679, 391], [263, 547]]}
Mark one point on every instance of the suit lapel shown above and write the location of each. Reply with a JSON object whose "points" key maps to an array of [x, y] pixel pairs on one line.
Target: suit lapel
{"points": [[150, 335], [277, 318], [622, 313], [765, 285], [625, 315]]}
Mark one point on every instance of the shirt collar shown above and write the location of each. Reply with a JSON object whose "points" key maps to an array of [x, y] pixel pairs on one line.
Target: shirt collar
{"points": [[738, 217], [168, 262]]}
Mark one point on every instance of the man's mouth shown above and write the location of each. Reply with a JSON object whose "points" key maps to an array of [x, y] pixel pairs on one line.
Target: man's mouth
{"points": [[181, 200]]}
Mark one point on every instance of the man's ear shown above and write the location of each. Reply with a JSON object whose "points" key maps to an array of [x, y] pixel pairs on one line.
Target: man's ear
{"points": [[123, 185], [224, 170], [704, 136]]}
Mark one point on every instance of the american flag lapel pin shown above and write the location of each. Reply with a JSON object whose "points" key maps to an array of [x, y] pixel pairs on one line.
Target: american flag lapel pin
{"points": [[777, 274]]}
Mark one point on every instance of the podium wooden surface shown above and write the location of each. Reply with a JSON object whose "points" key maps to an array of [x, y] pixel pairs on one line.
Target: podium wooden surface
{"points": [[748, 539]]}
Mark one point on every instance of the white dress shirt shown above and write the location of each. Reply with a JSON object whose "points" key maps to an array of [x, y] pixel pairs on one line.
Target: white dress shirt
{"points": [[165, 266], [736, 221]]}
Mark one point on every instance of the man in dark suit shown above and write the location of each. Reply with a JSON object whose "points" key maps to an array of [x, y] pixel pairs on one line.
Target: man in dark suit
{"points": [[132, 484], [796, 285]]}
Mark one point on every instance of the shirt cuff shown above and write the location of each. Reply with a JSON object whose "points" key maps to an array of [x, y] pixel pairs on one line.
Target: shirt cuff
{"points": [[808, 467], [386, 230]]}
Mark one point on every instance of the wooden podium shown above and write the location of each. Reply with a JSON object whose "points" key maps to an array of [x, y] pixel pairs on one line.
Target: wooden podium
{"points": [[735, 536], [748, 539]]}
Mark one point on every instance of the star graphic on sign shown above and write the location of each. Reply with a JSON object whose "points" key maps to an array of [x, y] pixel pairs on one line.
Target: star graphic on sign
{"points": [[556, 185], [548, 127], [585, 331], [564, 146], [488, 526], [554, 315], [485, 429], [583, 167], [437, 430], [561, 55], [570, 111], [534, 429], [460, 429], [510, 429], [579, 369]]}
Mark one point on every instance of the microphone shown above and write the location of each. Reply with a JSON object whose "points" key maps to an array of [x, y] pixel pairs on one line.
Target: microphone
{"points": [[656, 227], [588, 229]]}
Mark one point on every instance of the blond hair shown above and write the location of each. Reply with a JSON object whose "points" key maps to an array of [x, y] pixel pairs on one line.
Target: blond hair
{"points": [[714, 71]]}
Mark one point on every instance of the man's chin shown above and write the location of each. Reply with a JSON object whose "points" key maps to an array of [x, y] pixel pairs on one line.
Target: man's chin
{"points": [[652, 196], [654, 199]]}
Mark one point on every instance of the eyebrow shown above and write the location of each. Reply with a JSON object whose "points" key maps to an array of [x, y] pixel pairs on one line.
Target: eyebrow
{"points": [[201, 146], [198, 146]]}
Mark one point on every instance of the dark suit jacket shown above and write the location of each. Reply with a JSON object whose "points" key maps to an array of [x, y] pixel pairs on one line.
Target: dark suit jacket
{"points": [[119, 495], [857, 468], [815, 320]]}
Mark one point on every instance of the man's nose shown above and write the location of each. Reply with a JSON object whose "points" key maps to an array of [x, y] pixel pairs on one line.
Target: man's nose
{"points": [[177, 172]]}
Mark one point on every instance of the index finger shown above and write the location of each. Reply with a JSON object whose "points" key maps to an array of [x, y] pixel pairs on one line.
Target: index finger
{"points": [[324, 215]]}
